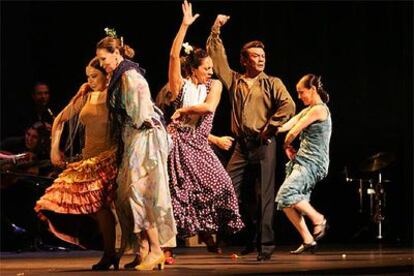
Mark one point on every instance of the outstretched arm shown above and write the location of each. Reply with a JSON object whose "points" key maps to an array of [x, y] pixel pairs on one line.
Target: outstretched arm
{"points": [[216, 51], [175, 79]]}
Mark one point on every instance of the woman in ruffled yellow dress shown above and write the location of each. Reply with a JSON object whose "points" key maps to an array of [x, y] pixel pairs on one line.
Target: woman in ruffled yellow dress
{"points": [[77, 205]]}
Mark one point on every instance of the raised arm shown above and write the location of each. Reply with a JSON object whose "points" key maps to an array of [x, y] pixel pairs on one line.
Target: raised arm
{"points": [[209, 105], [175, 79], [216, 51]]}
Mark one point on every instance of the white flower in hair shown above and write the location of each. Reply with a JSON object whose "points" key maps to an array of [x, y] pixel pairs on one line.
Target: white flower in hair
{"points": [[187, 48], [110, 32]]}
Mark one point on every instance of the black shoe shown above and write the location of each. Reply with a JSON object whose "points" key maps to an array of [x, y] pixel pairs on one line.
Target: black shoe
{"points": [[319, 230], [264, 256], [305, 247], [106, 262], [247, 250], [134, 263], [212, 246]]}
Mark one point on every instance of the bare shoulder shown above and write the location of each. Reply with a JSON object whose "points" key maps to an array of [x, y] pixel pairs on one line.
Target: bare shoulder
{"points": [[319, 111], [216, 85]]}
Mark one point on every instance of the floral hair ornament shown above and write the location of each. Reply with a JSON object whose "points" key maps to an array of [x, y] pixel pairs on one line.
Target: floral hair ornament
{"points": [[187, 48], [110, 32]]}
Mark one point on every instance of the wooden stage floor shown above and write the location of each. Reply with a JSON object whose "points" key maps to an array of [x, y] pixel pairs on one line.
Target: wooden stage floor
{"points": [[328, 260]]}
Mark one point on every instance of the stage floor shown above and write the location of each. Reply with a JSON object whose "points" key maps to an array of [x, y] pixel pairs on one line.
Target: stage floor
{"points": [[328, 260]]}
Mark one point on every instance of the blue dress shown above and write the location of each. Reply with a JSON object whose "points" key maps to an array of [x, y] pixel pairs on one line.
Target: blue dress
{"points": [[310, 164]]}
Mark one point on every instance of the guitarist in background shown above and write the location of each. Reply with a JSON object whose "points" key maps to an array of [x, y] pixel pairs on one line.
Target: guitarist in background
{"points": [[25, 173]]}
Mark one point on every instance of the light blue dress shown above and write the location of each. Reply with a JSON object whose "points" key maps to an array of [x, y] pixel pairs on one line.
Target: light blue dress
{"points": [[143, 195], [310, 164]]}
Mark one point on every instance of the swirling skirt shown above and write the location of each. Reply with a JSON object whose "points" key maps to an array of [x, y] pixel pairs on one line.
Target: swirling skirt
{"points": [[82, 189]]}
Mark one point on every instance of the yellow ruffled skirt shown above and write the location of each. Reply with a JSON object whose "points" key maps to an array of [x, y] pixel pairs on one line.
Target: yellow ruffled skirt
{"points": [[82, 189]]}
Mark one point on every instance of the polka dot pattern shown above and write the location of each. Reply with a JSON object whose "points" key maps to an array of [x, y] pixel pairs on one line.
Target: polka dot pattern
{"points": [[202, 193]]}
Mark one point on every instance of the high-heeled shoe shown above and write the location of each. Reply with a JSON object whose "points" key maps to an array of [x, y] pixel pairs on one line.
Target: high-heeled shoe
{"points": [[305, 247], [106, 262], [209, 241], [319, 230], [157, 263], [131, 265]]}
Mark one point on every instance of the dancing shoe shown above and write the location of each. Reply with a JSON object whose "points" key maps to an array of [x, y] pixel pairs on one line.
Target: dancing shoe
{"points": [[305, 247], [264, 256], [247, 250], [134, 263], [106, 262], [209, 241], [319, 230], [157, 263]]}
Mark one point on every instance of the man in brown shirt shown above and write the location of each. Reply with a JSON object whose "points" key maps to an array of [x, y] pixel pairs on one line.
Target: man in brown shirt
{"points": [[260, 104]]}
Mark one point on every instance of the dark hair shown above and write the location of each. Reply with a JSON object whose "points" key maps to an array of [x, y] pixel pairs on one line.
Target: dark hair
{"points": [[310, 80], [37, 83], [94, 63], [185, 68], [194, 59], [110, 44], [251, 44], [42, 149]]}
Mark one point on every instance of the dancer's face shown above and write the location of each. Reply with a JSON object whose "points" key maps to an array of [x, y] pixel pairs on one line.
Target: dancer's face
{"points": [[256, 60], [204, 72], [96, 79], [109, 61], [305, 94]]}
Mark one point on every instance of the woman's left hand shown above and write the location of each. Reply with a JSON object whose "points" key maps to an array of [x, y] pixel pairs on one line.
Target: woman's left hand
{"points": [[188, 17]]}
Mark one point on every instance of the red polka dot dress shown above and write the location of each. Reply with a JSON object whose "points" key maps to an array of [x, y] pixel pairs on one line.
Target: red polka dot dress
{"points": [[202, 193]]}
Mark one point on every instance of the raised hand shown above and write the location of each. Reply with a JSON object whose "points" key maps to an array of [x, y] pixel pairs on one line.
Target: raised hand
{"points": [[221, 20], [188, 17]]}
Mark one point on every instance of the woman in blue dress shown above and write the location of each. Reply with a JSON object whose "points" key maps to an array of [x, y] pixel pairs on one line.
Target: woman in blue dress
{"points": [[143, 197], [309, 164]]}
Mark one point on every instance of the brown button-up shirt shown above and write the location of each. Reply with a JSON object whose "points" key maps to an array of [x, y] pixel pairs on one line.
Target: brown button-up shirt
{"points": [[264, 106]]}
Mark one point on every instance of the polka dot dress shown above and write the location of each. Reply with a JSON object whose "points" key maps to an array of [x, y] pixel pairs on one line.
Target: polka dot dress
{"points": [[202, 193]]}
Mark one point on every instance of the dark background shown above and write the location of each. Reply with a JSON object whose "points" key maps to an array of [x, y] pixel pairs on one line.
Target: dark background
{"points": [[363, 50]]}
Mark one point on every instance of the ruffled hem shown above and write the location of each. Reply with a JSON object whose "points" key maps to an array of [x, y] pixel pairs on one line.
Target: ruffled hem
{"points": [[191, 221], [83, 188]]}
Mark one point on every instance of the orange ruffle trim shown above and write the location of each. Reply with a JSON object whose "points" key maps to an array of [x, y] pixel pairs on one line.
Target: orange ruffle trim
{"points": [[84, 187]]}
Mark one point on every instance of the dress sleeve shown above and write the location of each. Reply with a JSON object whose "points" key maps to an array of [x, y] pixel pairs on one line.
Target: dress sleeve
{"points": [[217, 52], [136, 97], [286, 105]]}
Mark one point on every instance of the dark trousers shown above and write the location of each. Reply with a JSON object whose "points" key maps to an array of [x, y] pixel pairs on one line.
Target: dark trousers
{"points": [[252, 170]]}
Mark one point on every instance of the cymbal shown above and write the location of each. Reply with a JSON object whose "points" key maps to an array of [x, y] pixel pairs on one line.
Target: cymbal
{"points": [[377, 162]]}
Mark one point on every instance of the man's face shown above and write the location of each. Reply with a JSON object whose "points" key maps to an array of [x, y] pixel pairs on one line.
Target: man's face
{"points": [[41, 95], [256, 60]]}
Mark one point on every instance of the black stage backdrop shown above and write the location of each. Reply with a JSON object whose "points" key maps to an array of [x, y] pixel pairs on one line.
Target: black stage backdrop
{"points": [[363, 50]]}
